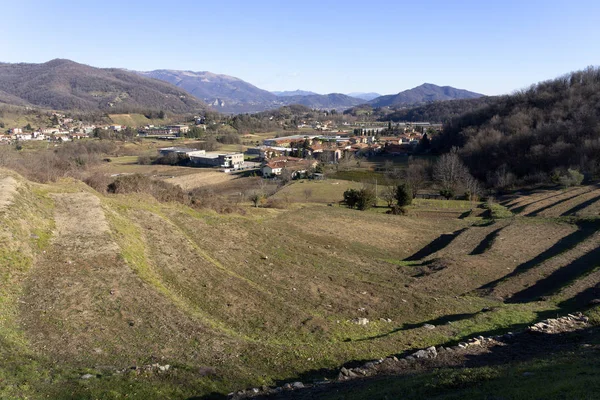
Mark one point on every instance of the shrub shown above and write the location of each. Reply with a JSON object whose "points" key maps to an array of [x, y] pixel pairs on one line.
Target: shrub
{"points": [[447, 193], [137, 183], [144, 160], [497, 211], [351, 197], [362, 199], [366, 199], [98, 181], [404, 195], [572, 178]]}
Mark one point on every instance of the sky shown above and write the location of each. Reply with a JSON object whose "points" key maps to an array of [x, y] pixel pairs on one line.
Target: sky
{"points": [[487, 46]]}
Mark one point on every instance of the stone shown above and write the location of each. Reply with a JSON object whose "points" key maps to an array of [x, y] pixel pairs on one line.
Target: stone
{"points": [[287, 386], [255, 390], [421, 354], [352, 374], [429, 326], [369, 365], [344, 371], [409, 358], [362, 321], [87, 376], [432, 351], [265, 257], [297, 385]]}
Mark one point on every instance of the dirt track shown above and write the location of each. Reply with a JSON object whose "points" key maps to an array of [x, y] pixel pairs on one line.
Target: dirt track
{"points": [[8, 188]]}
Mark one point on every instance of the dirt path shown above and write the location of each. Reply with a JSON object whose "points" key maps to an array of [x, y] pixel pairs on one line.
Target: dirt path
{"points": [[8, 188], [84, 305]]}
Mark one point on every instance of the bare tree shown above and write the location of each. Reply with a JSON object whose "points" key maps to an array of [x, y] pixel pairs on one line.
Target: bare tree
{"points": [[417, 174], [389, 194], [449, 171]]}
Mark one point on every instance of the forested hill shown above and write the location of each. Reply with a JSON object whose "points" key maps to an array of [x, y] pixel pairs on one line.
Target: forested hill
{"points": [[424, 93], [439, 111], [553, 124], [67, 85]]}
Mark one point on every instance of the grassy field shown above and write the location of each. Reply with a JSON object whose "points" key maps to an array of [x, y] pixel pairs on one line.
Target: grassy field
{"points": [[95, 284]]}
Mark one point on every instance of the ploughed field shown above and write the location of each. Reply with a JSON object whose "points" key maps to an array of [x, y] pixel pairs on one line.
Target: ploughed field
{"points": [[103, 296]]}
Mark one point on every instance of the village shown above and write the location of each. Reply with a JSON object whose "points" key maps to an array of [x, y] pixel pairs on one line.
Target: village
{"points": [[293, 156]]}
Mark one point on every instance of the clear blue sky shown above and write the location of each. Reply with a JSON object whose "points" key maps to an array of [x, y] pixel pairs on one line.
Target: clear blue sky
{"points": [[488, 46]]}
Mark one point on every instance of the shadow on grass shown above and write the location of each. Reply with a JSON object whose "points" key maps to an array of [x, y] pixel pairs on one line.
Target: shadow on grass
{"points": [[580, 206], [586, 229], [559, 278], [486, 243], [539, 210], [518, 210], [582, 299], [435, 246], [438, 321]]}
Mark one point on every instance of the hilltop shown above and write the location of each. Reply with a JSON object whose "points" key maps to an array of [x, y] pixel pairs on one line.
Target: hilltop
{"points": [[424, 93], [66, 85]]}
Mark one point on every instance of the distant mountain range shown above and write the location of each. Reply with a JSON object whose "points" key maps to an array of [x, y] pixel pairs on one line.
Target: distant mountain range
{"points": [[66, 85], [232, 95], [357, 95], [294, 93], [364, 96], [426, 93]]}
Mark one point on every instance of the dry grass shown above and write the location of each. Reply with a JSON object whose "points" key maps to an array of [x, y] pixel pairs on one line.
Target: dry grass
{"points": [[8, 188], [126, 280]]}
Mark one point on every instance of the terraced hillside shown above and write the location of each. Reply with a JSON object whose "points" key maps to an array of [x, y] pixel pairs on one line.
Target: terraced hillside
{"points": [[107, 296]]}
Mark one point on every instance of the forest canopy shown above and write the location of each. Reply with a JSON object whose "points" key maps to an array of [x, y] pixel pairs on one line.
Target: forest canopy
{"points": [[553, 125]]}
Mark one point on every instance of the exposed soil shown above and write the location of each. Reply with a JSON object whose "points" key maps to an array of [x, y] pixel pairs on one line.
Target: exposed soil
{"points": [[8, 188]]}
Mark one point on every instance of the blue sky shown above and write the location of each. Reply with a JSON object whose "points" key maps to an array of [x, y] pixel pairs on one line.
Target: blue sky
{"points": [[487, 46]]}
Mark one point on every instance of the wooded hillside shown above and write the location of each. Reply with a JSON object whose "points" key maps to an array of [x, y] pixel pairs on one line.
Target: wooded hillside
{"points": [[552, 125]]}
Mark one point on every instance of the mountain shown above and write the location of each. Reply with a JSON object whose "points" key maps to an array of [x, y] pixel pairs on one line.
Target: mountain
{"points": [[294, 93], [439, 111], [66, 85], [336, 101], [233, 95], [364, 96], [425, 93], [223, 92]]}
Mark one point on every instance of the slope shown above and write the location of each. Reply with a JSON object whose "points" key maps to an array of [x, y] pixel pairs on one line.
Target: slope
{"points": [[114, 288], [66, 85], [424, 93]]}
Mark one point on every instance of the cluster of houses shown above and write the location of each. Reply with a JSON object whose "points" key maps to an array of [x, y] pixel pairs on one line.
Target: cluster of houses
{"points": [[299, 153], [169, 131], [227, 161], [50, 134]]}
